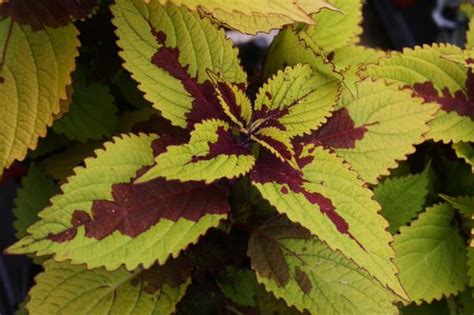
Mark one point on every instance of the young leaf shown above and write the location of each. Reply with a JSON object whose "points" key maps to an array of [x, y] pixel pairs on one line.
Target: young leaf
{"points": [[306, 273], [295, 100], [31, 198], [402, 198], [436, 79], [69, 289], [33, 82], [211, 154], [431, 255], [172, 48], [328, 199], [335, 29], [92, 113], [101, 219], [465, 151]]}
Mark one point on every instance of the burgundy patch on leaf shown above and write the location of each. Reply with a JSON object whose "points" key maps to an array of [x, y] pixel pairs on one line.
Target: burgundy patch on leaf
{"points": [[229, 98], [277, 145], [270, 169], [303, 280], [461, 103], [338, 132], [174, 273], [50, 13], [226, 144], [270, 117], [137, 207], [205, 104]]}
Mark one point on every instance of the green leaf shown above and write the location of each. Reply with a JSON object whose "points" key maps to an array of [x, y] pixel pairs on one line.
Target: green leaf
{"points": [[395, 121], [306, 273], [424, 67], [335, 29], [464, 204], [331, 201], [33, 84], [240, 286], [31, 198], [69, 289], [92, 113], [100, 219], [145, 30], [465, 151], [402, 198], [210, 154], [431, 255], [298, 93]]}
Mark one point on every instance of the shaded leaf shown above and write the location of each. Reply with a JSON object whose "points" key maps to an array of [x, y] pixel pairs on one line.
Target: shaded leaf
{"points": [[464, 204], [465, 151]]}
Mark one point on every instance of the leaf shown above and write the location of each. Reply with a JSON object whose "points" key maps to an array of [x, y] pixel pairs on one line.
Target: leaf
{"points": [[464, 204], [402, 198], [328, 199], [335, 29], [47, 13], [31, 198], [173, 49], [92, 114], [437, 79], [69, 289], [211, 154], [394, 120], [431, 255], [306, 273], [239, 286], [101, 219], [295, 101], [465, 151], [33, 82], [470, 35]]}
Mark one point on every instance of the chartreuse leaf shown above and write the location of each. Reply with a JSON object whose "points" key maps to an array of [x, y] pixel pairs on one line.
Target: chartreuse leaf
{"points": [[329, 199], [249, 16], [402, 198], [172, 48], [211, 154], [33, 83], [92, 114], [31, 198], [465, 150], [307, 274], [101, 219], [336, 29], [470, 34], [69, 289], [436, 79], [431, 255], [295, 100], [383, 125]]}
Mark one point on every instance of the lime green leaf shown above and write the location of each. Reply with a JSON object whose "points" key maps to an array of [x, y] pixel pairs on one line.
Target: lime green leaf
{"points": [[464, 204], [148, 32], [395, 121], [465, 151], [431, 255], [402, 198], [298, 98], [306, 273], [336, 29], [331, 201], [92, 113], [141, 219], [470, 34], [31, 198], [210, 154], [69, 289], [33, 82], [426, 68]]}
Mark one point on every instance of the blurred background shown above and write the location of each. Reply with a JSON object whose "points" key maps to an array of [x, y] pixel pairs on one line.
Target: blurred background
{"points": [[388, 24]]}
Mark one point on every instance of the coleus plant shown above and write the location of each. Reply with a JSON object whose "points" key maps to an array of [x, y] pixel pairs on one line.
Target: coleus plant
{"points": [[232, 190]]}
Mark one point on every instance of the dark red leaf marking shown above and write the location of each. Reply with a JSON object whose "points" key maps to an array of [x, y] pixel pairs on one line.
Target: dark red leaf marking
{"points": [[338, 132], [270, 169], [270, 117], [225, 145], [229, 98], [205, 104], [50, 13], [174, 273], [303, 280], [461, 103], [277, 145], [137, 207]]}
